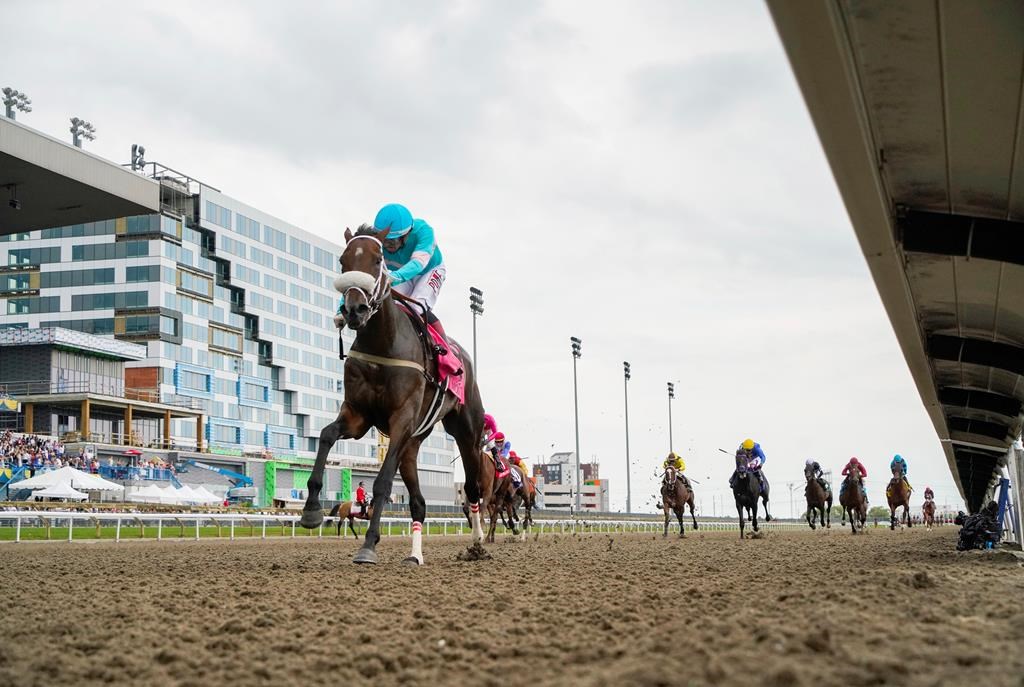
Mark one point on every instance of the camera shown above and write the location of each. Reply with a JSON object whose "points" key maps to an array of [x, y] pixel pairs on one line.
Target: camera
{"points": [[14, 204]]}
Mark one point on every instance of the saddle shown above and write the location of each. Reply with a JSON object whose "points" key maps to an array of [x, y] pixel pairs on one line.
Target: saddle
{"points": [[446, 354], [501, 468]]}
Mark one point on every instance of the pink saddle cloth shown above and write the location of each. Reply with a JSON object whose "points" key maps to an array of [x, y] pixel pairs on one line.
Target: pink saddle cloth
{"points": [[449, 366]]}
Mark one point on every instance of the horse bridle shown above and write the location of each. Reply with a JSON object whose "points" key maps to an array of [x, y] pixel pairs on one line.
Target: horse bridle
{"points": [[381, 285]]}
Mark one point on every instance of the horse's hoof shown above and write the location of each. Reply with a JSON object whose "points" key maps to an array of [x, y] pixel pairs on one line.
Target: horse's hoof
{"points": [[365, 556], [411, 562], [311, 519], [767, 518]]}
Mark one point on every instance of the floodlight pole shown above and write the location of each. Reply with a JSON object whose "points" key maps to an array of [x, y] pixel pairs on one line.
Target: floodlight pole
{"points": [[625, 386], [476, 306], [671, 395], [577, 353]]}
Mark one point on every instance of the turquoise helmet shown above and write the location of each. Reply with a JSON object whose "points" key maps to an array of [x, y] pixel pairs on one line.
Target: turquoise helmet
{"points": [[394, 217]]}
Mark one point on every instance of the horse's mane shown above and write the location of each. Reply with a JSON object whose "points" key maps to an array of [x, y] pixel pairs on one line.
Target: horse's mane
{"points": [[366, 230]]}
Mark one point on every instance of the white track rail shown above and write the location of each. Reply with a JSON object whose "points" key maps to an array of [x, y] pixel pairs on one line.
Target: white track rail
{"points": [[390, 526]]}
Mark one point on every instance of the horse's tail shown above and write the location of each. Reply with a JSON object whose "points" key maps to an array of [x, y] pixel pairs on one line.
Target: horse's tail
{"points": [[334, 511]]}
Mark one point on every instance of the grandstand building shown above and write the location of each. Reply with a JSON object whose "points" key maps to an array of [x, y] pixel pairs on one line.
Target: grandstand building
{"points": [[232, 309]]}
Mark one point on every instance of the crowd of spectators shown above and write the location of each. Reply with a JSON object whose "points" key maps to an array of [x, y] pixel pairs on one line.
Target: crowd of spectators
{"points": [[40, 453]]}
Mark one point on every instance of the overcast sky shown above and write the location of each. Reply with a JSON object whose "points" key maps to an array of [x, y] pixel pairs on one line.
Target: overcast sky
{"points": [[644, 176]]}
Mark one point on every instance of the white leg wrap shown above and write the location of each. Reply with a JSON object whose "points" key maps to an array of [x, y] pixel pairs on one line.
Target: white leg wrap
{"points": [[474, 516], [417, 542]]}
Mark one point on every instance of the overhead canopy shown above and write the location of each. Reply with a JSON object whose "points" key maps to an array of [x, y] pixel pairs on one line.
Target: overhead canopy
{"points": [[919, 109], [58, 184], [61, 491]]}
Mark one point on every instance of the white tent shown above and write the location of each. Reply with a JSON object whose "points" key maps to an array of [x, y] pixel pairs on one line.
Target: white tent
{"points": [[61, 491], [204, 495], [76, 478], [149, 493], [169, 495]]}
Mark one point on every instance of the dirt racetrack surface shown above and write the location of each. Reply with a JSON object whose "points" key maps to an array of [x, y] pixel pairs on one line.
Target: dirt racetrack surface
{"points": [[900, 608]]}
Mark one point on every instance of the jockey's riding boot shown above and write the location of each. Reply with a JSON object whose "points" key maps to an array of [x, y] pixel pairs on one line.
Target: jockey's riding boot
{"points": [[732, 480], [432, 320]]}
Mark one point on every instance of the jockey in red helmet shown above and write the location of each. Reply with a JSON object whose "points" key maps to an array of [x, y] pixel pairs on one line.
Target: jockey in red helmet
{"points": [[852, 465]]}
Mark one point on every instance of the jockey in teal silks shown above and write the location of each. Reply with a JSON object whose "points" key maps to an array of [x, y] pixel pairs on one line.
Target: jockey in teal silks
{"points": [[413, 259]]}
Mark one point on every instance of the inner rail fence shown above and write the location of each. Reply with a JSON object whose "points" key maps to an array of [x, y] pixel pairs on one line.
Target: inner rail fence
{"points": [[133, 525]]}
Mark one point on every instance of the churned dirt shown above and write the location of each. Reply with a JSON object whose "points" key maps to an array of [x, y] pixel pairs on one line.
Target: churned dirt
{"points": [[818, 608]]}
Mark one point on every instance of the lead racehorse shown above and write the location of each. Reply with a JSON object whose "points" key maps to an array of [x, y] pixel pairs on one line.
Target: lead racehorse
{"points": [[675, 496], [390, 384]]}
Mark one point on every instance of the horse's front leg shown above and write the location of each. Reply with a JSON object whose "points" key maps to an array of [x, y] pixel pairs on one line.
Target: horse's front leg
{"points": [[680, 514], [739, 511], [348, 425], [382, 487], [417, 504], [693, 515], [667, 518]]}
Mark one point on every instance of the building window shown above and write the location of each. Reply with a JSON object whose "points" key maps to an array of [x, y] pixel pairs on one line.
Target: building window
{"points": [[223, 434], [245, 274], [168, 325], [109, 251], [104, 301], [195, 283], [288, 267], [261, 257], [102, 325], [247, 227], [299, 293], [32, 306], [275, 238], [33, 256], [194, 381], [101, 276], [299, 248], [140, 273], [223, 338], [218, 215]]}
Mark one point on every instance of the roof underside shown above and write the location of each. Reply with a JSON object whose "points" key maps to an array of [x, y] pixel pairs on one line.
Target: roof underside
{"points": [[919, 108], [57, 184]]}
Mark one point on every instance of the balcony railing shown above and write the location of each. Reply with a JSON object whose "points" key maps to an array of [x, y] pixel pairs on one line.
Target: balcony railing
{"points": [[104, 388]]}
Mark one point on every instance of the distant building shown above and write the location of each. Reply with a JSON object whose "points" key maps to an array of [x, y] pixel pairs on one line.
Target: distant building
{"points": [[556, 482]]}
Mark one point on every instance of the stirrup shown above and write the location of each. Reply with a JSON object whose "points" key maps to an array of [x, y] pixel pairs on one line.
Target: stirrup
{"points": [[440, 350]]}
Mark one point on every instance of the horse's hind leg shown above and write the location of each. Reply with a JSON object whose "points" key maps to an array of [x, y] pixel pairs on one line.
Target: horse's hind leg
{"points": [[692, 515], [466, 426], [679, 515], [667, 518]]}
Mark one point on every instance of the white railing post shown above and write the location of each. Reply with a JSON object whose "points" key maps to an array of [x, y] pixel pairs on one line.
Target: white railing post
{"points": [[197, 529], [293, 529], [320, 532], [263, 534], [17, 529], [232, 535], [71, 527], [159, 529], [117, 533]]}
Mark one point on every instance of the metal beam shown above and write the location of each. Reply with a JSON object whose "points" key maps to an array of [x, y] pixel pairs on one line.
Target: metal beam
{"points": [[961, 235], [974, 399], [1002, 356]]}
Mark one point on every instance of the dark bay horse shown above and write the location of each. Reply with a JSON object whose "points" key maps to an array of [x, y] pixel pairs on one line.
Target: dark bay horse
{"points": [[819, 500], [928, 512], [746, 489], [389, 385], [675, 497], [898, 494], [853, 501], [525, 496], [496, 495], [345, 511]]}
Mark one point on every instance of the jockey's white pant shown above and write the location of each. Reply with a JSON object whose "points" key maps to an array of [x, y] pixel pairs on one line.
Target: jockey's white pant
{"points": [[425, 287]]}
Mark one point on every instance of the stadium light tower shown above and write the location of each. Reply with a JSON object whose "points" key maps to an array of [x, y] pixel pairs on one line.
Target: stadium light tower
{"points": [[577, 353], [476, 306], [81, 129], [671, 397], [625, 385], [14, 101]]}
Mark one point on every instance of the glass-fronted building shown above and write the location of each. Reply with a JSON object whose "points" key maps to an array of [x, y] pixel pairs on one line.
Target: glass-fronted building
{"points": [[234, 307]]}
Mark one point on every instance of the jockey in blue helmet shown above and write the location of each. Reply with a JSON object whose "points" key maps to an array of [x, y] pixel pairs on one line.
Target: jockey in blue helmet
{"points": [[898, 463], [412, 258]]}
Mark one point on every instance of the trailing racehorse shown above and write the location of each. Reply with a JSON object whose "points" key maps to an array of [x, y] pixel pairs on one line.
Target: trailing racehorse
{"points": [[898, 494], [675, 496], [525, 495], [928, 512], [852, 499], [343, 511], [746, 489], [819, 500], [496, 495], [391, 384]]}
